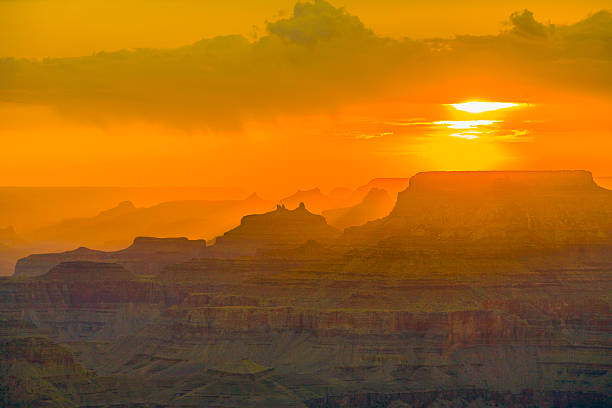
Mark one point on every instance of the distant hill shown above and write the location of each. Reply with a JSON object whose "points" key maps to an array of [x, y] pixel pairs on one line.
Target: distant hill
{"points": [[314, 199], [146, 255], [118, 226], [391, 185], [10, 238], [30, 208], [340, 197], [376, 204]]}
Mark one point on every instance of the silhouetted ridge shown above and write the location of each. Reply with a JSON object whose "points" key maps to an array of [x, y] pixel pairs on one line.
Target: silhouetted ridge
{"points": [[496, 209], [146, 255], [9, 237], [376, 204], [315, 199], [254, 197], [502, 181], [280, 228], [389, 184], [118, 226], [152, 244], [123, 207]]}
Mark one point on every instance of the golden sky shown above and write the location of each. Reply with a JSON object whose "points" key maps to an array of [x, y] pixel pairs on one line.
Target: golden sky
{"points": [[273, 96]]}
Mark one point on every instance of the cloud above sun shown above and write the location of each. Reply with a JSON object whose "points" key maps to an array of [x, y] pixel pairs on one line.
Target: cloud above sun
{"points": [[318, 59]]}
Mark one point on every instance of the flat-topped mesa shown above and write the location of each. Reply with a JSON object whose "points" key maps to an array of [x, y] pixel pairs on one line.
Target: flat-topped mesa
{"points": [[146, 255], [281, 228], [152, 244], [502, 181], [87, 271], [497, 208]]}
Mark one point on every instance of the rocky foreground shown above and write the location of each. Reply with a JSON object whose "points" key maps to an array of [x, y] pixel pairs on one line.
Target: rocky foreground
{"points": [[503, 301]]}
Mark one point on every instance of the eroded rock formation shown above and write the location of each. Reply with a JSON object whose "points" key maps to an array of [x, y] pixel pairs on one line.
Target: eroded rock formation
{"points": [[275, 230], [502, 299]]}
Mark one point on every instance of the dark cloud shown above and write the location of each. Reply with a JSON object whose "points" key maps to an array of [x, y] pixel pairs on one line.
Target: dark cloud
{"points": [[523, 23], [318, 59], [319, 21]]}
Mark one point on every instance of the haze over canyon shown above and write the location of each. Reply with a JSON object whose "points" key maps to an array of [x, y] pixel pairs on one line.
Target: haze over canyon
{"points": [[316, 204]]}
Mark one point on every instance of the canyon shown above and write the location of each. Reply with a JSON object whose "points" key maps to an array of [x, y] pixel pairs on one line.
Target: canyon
{"points": [[477, 289]]}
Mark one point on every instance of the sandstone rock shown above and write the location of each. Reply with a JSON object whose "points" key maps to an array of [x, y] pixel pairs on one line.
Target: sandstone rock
{"points": [[488, 211], [278, 229]]}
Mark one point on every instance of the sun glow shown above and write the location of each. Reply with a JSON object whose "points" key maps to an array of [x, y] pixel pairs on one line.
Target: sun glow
{"points": [[465, 124], [469, 129], [479, 107], [459, 152]]}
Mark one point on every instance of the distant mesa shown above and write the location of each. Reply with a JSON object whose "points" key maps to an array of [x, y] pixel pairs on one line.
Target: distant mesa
{"points": [[87, 271], [278, 229], [376, 204], [146, 255], [502, 209], [124, 207], [153, 245], [503, 181]]}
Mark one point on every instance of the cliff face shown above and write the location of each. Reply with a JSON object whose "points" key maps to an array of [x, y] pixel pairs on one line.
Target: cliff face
{"points": [[528, 209], [322, 331], [146, 255], [278, 229], [423, 316]]}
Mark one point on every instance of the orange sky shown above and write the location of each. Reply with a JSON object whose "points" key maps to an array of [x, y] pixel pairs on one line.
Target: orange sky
{"points": [[318, 96]]}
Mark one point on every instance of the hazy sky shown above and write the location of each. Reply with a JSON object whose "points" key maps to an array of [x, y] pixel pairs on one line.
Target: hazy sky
{"points": [[269, 97]]}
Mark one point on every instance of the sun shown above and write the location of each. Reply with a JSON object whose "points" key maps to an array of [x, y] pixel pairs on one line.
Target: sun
{"points": [[480, 107]]}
